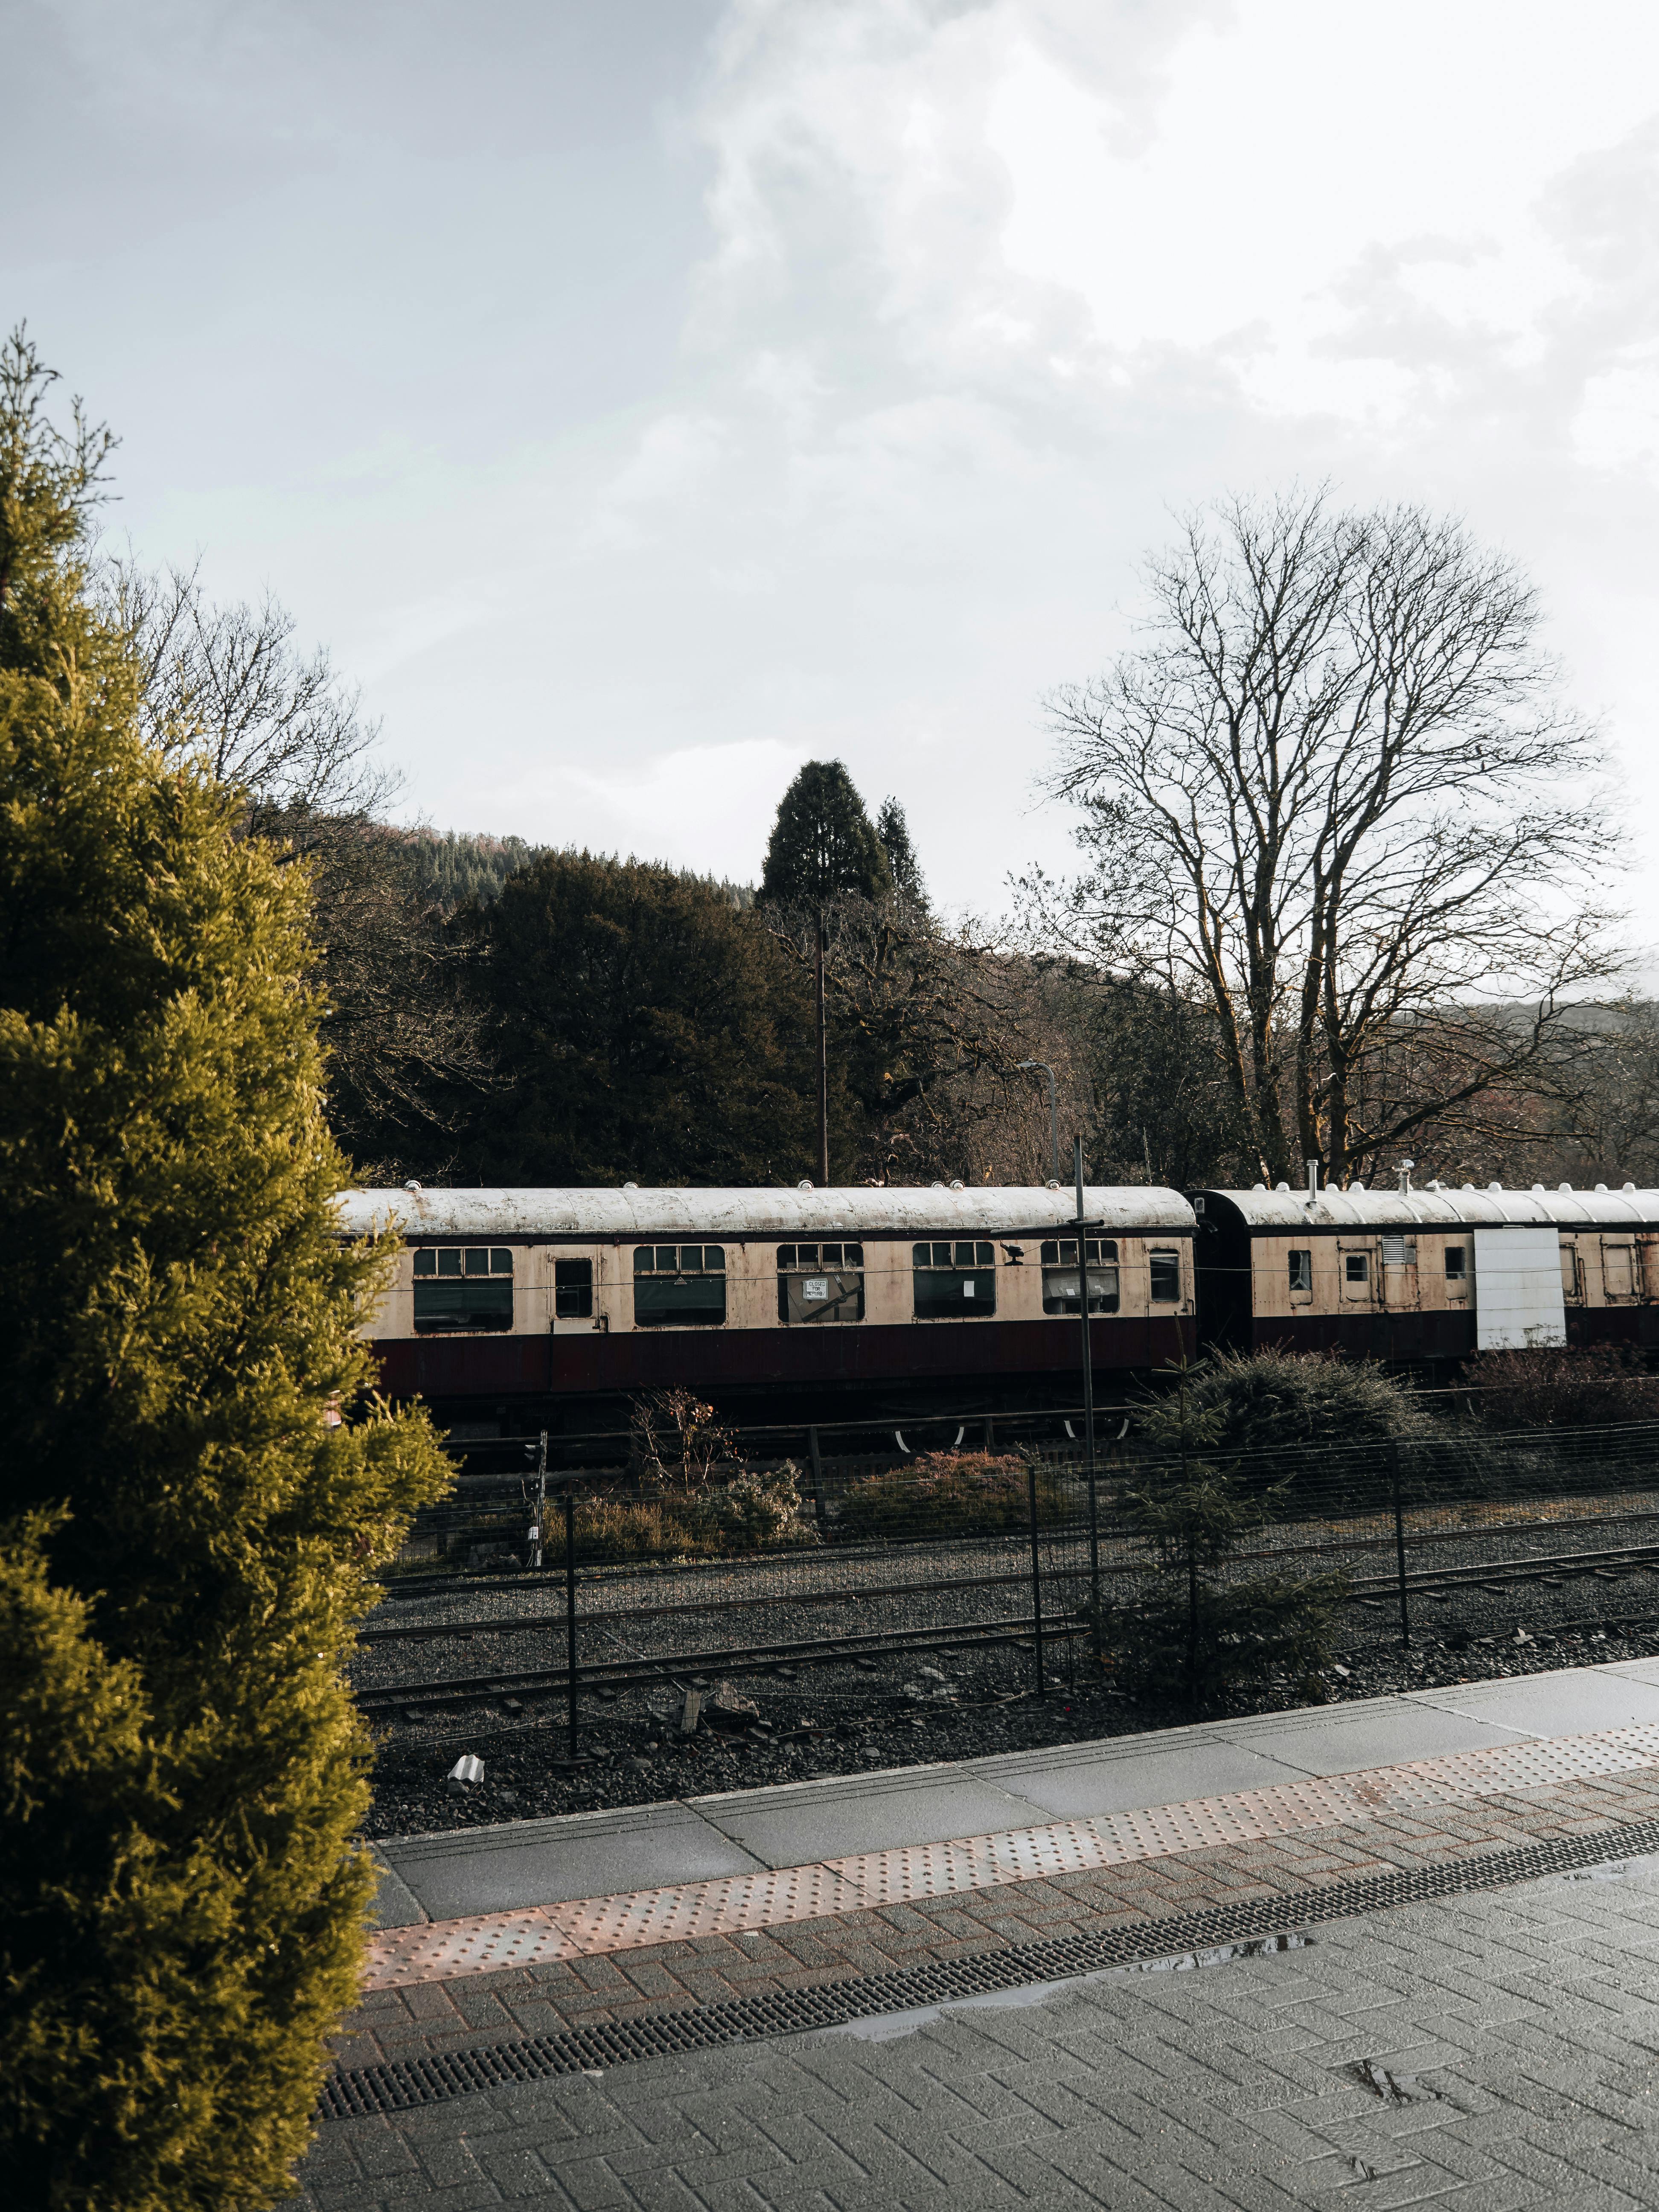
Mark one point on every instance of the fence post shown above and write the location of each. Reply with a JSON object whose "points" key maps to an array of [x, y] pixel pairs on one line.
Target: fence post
{"points": [[816, 1458], [572, 1755], [1036, 1572], [1399, 1543]]}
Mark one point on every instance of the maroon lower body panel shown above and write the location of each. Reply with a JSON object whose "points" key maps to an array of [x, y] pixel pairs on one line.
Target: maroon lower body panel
{"points": [[716, 1359], [1391, 1337], [1635, 1326]]}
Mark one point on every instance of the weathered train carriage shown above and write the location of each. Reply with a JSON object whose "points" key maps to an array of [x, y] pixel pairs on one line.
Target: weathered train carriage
{"points": [[1427, 1275], [806, 1303]]}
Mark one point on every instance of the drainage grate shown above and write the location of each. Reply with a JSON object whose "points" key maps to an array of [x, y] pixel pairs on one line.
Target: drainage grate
{"points": [[402, 2084]]}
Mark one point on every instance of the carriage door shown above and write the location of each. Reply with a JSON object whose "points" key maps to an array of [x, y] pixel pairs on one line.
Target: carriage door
{"points": [[1399, 1273]]}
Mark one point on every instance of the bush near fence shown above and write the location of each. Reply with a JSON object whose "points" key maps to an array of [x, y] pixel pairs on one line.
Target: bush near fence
{"points": [[1560, 1386], [951, 1494]]}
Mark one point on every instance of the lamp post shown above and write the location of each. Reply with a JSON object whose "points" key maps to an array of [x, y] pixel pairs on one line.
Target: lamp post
{"points": [[1054, 1115]]}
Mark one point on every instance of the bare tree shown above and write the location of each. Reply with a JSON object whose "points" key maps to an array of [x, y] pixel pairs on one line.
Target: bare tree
{"points": [[228, 686], [1335, 796]]}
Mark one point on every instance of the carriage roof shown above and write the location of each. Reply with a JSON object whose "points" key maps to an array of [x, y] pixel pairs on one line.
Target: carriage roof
{"points": [[740, 1215], [1437, 1206]]}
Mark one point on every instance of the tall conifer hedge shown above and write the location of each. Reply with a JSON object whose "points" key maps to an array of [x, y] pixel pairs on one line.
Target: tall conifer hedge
{"points": [[186, 1528]]}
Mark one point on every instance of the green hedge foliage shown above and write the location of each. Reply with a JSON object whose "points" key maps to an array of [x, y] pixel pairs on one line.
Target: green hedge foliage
{"points": [[191, 1526]]}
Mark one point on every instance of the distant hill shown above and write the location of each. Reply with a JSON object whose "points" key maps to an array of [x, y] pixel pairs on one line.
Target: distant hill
{"points": [[453, 867]]}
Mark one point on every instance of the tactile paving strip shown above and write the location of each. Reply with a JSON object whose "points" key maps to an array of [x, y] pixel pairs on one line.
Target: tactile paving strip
{"points": [[399, 2085], [630, 1921]]}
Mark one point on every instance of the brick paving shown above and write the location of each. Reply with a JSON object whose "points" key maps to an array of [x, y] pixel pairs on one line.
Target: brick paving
{"points": [[439, 2017], [1484, 2053]]}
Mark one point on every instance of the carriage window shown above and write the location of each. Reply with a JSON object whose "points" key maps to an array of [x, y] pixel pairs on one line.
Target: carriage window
{"points": [[1619, 1270], [820, 1282], [1454, 1262], [1060, 1274], [463, 1287], [681, 1286], [955, 1280], [1302, 1272], [1357, 1267], [1166, 1277], [1400, 1251], [573, 1289]]}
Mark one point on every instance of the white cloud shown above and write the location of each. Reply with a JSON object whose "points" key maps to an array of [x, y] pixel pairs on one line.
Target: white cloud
{"points": [[634, 463]]}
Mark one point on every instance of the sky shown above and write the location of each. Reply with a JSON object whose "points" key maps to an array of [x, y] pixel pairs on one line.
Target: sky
{"points": [[642, 396]]}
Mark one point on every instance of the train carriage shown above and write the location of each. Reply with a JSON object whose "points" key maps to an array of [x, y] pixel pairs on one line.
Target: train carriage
{"points": [[1430, 1275], [773, 1302]]}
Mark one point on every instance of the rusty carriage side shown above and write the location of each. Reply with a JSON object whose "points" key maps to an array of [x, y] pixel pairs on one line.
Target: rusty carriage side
{"points": [[802, 1305], [1426, 1276]]}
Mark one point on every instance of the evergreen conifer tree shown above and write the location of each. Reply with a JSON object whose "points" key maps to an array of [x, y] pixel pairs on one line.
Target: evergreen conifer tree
{"points": [[189, 1524], [821, 842], [894, 832], [1203, 1627]]}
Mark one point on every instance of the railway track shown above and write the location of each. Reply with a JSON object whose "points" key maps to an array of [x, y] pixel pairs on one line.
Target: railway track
{"points": [[678, 1668]]}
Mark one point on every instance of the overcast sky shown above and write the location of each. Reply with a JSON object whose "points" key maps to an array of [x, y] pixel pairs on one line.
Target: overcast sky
{"points": [[644, 396]]}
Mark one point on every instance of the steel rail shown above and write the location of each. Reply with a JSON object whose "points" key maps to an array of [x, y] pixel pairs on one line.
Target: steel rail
{"points": [[676, 1667], [485, 1625]]}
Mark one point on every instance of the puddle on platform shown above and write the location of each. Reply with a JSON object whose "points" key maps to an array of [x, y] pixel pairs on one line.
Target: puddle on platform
{"points": [[885, 2027]]}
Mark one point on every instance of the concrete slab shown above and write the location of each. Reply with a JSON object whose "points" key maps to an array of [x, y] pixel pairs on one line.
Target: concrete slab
{"points": [[1380, 1732], [1633, 1670], [1122, 1777], [804, 1821], [552, 1861], [1571, 1701], [396, 1905]]}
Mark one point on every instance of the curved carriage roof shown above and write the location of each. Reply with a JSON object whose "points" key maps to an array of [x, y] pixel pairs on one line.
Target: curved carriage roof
{"points": [[1438, 1205], [738, 1215]]}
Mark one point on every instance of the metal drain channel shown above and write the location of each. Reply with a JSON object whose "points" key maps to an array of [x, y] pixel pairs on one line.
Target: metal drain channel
{"points": [[402, 2085]]}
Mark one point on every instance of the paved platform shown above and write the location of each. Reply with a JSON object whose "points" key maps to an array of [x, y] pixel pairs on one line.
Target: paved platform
{"points": [[479, 1899], [1491, 2053]]}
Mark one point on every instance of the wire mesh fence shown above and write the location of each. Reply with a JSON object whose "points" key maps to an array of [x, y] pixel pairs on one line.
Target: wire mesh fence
{"points": [[765, 1571]]}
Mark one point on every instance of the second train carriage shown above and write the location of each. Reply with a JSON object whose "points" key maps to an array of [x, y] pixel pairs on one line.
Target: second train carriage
{"points": [[1427, 1276], [772, 1302]]}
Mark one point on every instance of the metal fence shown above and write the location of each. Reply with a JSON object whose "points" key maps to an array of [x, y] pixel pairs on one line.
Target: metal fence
{"points": [[1464, 1534]]}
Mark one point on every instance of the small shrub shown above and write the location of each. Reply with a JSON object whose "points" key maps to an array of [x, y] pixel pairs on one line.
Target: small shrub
{"points": [[1560, 1387], [610, 1531], [677, 1440], [949, 1494], [1200, 1630], [1265, 1402], [752, 1510], [756, 1509]]}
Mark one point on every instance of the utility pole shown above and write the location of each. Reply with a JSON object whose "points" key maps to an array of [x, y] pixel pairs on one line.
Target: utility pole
{"points": [[823, 1059], [1088, 1399], [1054, 1118]]}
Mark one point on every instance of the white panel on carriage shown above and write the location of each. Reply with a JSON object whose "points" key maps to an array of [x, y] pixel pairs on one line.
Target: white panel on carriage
{"points": [[754, 1215], [1517, 1288]]}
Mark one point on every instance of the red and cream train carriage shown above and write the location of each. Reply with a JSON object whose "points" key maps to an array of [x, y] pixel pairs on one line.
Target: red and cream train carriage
{"points": [[1411, 1276], [769, 1301]]}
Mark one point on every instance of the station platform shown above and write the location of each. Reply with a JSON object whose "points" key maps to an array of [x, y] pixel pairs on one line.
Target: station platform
{"points": [[1402, 1951], [476, 1901]]}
